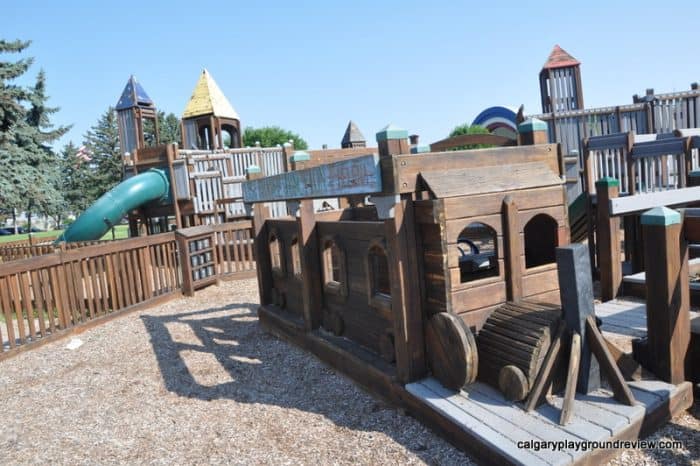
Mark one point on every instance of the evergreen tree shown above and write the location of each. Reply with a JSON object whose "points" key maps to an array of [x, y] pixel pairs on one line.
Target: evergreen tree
{"points": [[102, 144], [169, 128], [75, 180], [13, 127], [270, 136], [27, 162], [42, 195]]}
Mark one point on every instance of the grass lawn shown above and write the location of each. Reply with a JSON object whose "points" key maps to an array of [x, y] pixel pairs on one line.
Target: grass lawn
{"points": [[120, 232]]}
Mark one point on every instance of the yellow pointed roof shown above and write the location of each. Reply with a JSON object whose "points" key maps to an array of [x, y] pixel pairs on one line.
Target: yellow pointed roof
{"points": [[208, 99]]}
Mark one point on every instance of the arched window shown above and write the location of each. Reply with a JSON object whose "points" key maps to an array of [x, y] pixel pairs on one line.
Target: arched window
{"points": [[478, 252], [296, 257], [378, 271], [229, 134], [541, 240], [276, 254], [333, 267]]}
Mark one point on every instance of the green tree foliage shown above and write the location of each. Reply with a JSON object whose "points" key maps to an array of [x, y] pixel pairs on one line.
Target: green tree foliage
{"points": [[13, 127], [75, 180], [27, 162], [169, 128], [270, 136], [102, 143], [469, 129]]}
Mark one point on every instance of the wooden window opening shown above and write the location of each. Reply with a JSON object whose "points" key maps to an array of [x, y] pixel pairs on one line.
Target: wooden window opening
{"points": [[541, 240], [477, 246]]}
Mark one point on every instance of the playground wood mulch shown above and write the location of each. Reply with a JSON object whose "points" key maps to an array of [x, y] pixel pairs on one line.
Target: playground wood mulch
{"points": [[197, 381]]}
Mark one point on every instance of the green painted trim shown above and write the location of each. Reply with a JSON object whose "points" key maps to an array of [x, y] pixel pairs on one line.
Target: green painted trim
{"points": [[661, 216], [420, 149], [694, 173], [253, 169], [531, 125], [607, 182], [300, 156], [390, 132]]}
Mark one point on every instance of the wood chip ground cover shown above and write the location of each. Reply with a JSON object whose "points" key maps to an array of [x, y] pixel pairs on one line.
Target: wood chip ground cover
{"points": [[197, 381]]}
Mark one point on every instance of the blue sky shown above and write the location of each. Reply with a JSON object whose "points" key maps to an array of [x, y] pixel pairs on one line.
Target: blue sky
{"points": [[311, 66]]}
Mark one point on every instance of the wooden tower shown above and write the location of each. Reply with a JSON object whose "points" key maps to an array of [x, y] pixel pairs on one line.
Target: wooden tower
{"points": [[560, 83], [353, 137], [134, 110], [210, 121]]}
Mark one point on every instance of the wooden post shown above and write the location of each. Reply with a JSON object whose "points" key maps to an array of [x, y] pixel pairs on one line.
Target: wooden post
{"points": [[608, 240], [392, 140], [405, 289], [171, 152], [513, 250], [262, 249], [532, 131], [668, 294], [576, 293], [299, 159], [310, 265]]}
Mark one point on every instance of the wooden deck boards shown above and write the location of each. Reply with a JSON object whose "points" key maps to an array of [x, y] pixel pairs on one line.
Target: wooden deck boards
{"points": [[501, 424], [625, 318]]}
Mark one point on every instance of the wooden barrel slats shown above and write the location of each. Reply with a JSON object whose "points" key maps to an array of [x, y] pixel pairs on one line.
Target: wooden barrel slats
{"points": [[513, 343]]}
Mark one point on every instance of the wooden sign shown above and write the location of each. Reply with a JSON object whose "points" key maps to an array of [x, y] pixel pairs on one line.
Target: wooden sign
{"points": [[360, 175]]}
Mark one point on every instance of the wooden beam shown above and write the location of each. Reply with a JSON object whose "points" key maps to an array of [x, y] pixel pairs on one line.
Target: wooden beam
{"points": [[512, 249], [621, 391], [567, 409], [546, 374], [642, 202], [405, 293], [310, 265], [668, 294], [608, 240]]}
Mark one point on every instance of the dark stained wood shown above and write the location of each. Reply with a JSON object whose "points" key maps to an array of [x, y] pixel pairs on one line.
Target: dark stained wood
{"points": [[608, 242], [513, 383], [513, 250], [310, 264], [546, 373], [622, 392], [405, 292], [668, 300], [451, 350]]}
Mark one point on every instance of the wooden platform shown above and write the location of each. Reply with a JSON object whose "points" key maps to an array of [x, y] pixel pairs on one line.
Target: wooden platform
{"points": [[499, 425], [626, 319], [478, 419]]}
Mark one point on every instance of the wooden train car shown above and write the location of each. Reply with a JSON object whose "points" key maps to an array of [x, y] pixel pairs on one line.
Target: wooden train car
{"points": [[459, 232]]}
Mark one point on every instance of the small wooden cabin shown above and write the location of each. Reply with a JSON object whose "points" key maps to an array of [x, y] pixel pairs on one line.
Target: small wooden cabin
{"points": [[461, 232]]}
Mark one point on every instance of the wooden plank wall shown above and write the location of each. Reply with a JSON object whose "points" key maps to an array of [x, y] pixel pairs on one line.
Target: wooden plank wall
{"points": [[285, 281], [442, 220], [363, 323]]}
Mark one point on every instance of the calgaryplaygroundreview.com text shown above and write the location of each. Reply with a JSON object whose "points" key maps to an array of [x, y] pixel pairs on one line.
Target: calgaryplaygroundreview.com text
{"points": [[587, 445]]}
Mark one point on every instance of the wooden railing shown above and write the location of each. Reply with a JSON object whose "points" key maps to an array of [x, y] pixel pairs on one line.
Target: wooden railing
{"points": [[43, 295], [24, 251], [46, 296], [640, 163]]}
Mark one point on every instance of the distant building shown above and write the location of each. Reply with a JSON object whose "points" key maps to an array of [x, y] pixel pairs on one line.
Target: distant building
{"points": [[353, 137]]}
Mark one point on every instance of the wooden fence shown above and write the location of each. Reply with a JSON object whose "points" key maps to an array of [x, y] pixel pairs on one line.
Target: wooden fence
{"points": [[46, 296], [23, 250]]}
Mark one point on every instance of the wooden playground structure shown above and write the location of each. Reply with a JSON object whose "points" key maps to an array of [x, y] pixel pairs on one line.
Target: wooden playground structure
{"points": [[443, 281]]}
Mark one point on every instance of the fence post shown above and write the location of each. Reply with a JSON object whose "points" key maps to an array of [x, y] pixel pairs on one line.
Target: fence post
{"points": [[668, 295], [260, 243], [608, 239]]}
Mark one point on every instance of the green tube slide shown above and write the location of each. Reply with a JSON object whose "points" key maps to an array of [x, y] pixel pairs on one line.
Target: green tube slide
{"points": [[109, 209]]}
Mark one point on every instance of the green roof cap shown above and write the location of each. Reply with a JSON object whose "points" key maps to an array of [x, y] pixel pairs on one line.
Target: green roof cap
{"points": [[532, 124], [391, 131], [300, 156], [253, 169], [605, 182], [661, 216]]}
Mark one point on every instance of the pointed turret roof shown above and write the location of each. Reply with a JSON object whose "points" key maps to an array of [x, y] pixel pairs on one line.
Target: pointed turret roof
{"points": [[352, 134], [559, 58], [207, 99], [133, 95]]}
